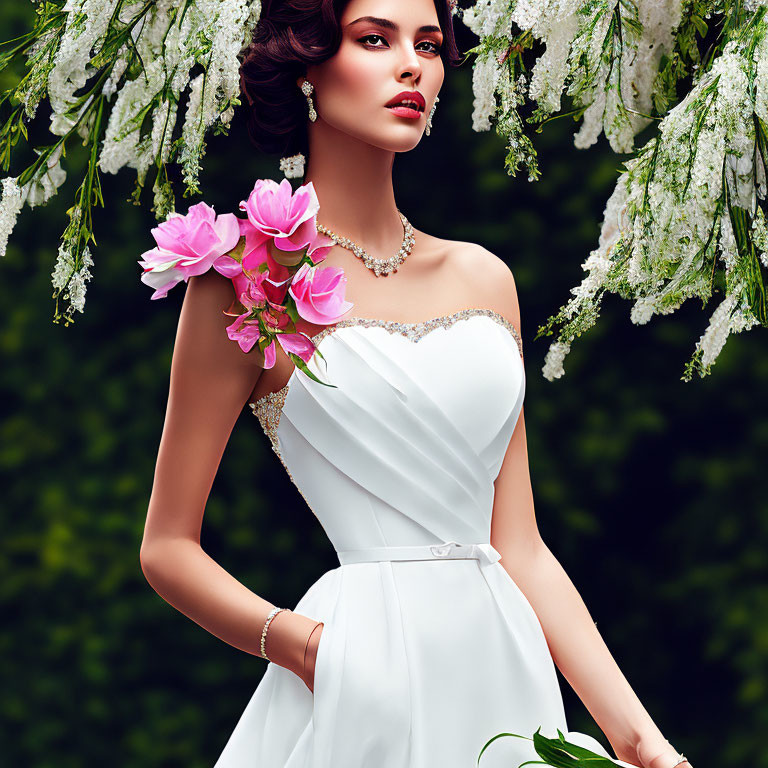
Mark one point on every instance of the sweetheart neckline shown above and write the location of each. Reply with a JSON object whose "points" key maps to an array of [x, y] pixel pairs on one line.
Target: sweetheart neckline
{"points": [[414, 331]]}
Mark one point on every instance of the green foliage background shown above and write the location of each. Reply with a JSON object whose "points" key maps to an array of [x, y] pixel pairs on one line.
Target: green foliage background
{"points": [[650, 491]]}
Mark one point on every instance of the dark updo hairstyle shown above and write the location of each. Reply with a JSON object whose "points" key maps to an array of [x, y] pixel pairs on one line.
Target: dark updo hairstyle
{"points": [[290, 35]]}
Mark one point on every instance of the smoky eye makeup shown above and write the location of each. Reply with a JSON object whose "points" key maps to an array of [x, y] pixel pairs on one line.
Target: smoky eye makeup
{"points": [[367, 39]]}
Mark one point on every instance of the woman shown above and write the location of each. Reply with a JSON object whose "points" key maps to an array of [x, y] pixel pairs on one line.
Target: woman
{"points": [[417, 455]]}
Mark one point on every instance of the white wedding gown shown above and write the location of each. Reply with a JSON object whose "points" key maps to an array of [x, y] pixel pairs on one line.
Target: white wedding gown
{"points": [[420, 661]]}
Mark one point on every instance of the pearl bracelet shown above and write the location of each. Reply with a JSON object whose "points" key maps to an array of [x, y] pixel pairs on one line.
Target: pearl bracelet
{"points": [[271, 616]]}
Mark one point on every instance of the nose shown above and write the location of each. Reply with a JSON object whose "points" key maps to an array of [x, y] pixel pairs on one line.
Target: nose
{"points": [[409, 65]]}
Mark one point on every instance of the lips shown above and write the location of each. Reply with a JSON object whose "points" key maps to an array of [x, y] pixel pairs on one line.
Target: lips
{"points": [[410, 99]]}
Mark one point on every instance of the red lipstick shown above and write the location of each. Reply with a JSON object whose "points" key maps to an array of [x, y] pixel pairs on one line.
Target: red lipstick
{"points": [[407, 104]]}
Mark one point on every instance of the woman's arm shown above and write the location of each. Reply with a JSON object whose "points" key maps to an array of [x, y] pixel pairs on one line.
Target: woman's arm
{"points": [[576, 645], [211, 379]]}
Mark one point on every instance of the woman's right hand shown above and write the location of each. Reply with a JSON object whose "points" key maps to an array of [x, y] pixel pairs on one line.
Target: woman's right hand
{"points": [[653, 754], [309, 668]]}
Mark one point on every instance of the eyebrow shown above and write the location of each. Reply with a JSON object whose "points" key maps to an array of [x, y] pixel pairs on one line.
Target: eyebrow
{"points": [[387, 24]]}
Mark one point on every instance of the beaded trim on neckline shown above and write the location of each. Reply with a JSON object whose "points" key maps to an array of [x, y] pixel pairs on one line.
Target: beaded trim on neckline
{"points": [[417, 329], [412, 330], [268, 407]]}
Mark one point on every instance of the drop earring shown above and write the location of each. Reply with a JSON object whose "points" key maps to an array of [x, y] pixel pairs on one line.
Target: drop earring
{"points": [[306, 89], [428, 126], [293, 166]]}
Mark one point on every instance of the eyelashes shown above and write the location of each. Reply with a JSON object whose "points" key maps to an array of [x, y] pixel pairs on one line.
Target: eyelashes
{"points": [[436, 47]]}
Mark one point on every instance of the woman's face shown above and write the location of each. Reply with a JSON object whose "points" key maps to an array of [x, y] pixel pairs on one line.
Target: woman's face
{"points": [[387, 47]]}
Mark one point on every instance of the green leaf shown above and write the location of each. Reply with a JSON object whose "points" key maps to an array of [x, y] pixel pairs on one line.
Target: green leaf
{"points": [[303, 366], [561, 753], [292, 311], [741, 223], [700, 24], [499, 736]]}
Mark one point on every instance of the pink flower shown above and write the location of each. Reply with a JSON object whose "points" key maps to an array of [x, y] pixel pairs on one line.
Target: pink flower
{"points": [[276, 212], [319, 247], [189, 245], [247, 334], [298, 343], [319, 294], [256, 297]]}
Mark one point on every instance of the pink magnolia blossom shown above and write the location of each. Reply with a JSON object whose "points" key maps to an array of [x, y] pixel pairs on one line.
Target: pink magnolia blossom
{"points": [[319, 294], [279, 218], [278, 234], [189, 245], [275, 291], [258, 292], [256, 252], [276, 212]]}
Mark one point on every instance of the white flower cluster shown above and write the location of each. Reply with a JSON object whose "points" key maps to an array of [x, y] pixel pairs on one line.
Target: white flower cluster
{"points": [[603, 53], [35, 192], [46, 183], [159, 43], [64, 274], [726, 319], [668, 225], [10, 205], [553, 360], [211, 33], [85, 30], [618, 92], [226, 25], [293, 166], [491, 21], [39, 60], [123, 143], [598, 265], [489, 18]]}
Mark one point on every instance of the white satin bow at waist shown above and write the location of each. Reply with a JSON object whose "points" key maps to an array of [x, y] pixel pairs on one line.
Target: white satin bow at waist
{"points": [[449, 550]]}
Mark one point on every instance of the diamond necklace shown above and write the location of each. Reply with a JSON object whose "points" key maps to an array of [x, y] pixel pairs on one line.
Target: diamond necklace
{"points": [[377, 266]]}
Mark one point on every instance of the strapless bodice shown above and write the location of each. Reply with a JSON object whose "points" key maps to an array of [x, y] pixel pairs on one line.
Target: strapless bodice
{"points": [[405, 447]]}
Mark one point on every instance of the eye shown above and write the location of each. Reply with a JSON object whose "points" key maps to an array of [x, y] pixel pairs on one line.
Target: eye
{"points": [[435, 46], [368, 37]]}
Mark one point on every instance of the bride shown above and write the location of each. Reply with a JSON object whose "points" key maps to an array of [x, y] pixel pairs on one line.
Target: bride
{"points": [[418, 454]]}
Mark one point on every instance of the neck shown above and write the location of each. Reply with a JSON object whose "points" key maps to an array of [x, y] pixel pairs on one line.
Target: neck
{"points": [[353, 183]]}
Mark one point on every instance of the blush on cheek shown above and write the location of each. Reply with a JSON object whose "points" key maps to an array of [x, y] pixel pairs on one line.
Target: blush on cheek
{"points": [[360, 76], [353, 89]]}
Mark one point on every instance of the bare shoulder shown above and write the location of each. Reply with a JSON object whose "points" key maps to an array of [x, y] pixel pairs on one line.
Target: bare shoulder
{"points": [[203, 324], [488, 280]]}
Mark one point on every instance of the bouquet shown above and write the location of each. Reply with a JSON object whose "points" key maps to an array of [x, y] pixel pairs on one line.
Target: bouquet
{"points": [[272, 258]]}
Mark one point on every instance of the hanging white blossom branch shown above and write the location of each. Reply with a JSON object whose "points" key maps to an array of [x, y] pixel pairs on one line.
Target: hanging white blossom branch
{"points": [[687, 215], [134, 60], [604, 54], [685, 218]]}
